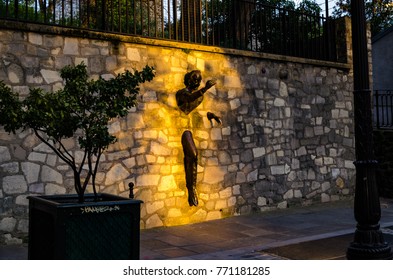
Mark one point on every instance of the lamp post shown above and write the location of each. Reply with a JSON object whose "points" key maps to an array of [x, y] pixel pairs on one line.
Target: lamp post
{"points": [[368, 241]]}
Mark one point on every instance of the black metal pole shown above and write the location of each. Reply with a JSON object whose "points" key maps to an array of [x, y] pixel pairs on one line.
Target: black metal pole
{"points": [[368, 241], [327, 8]]}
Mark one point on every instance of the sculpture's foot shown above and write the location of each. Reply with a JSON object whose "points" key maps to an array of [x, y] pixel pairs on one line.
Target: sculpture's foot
{"points": [[192, 197]]}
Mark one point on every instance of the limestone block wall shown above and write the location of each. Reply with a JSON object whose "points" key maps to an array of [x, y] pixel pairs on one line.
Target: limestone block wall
{"points": [[286, 136]]}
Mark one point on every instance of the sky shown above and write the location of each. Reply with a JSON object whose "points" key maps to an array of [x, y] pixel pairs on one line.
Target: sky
{"points": [[321, 3], [331, 4]]}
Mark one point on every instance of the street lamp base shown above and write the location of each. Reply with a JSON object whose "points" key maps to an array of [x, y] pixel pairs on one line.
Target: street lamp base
{"points": [[369, 245]]}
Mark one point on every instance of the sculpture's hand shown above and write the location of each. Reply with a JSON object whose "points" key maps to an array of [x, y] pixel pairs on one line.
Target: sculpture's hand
{"points": [[210, 84], [212, 116]]}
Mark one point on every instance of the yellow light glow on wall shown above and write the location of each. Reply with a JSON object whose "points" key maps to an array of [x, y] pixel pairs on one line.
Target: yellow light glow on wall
{"points": [[163, 187]]}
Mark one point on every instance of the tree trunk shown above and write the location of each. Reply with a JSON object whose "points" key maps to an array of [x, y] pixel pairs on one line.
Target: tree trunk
{"points": [[242, 15]]}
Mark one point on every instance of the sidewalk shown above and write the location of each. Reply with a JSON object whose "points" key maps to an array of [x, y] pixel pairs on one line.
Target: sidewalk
{"points": [[247, 237], [252, 236]]}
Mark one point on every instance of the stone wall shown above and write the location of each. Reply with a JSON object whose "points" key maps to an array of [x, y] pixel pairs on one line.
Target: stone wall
{"points": [[286, 136]]}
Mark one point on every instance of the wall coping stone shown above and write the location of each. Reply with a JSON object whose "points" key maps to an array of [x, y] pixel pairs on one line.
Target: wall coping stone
{"points": [[117, 38]]}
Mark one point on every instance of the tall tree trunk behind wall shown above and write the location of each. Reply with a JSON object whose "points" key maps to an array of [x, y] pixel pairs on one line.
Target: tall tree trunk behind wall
{"points": [[191, 21], [242, 15]]}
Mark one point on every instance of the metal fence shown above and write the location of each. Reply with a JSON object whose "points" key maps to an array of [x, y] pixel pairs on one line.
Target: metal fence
{"points": [[239, 24], [383, 109]]}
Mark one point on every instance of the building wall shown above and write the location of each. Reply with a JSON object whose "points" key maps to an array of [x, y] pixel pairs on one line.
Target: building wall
{"points": [[382, 55], [286, 136]]}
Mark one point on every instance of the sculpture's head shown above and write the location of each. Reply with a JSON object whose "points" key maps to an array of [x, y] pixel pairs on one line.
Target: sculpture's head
{"points": [[193, 79]]}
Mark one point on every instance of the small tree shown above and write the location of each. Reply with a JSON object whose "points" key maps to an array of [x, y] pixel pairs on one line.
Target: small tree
{"points": [[378, 13], [83, 108]]}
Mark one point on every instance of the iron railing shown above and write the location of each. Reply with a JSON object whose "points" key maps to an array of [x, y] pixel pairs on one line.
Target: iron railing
{"points": [[383, 109], [239, 24]]}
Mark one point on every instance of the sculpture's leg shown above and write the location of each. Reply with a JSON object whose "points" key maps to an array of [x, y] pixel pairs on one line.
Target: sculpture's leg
{"points": [[190, 166]]}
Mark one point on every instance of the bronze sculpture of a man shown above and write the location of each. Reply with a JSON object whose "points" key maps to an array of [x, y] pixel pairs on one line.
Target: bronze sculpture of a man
{"points": [[187, 100]]}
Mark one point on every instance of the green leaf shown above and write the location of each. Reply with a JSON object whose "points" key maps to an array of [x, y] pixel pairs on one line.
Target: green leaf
{"points": [[83, 107]]}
